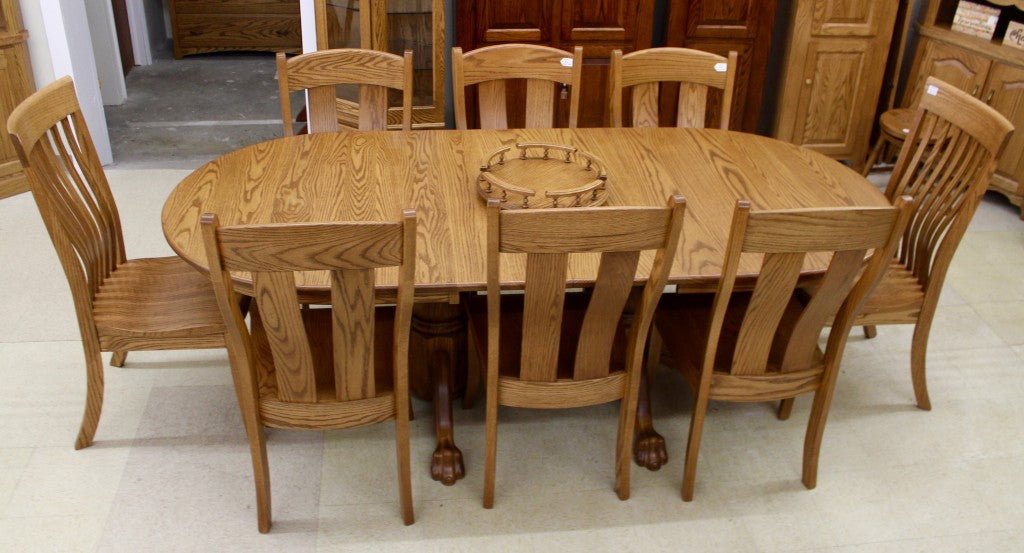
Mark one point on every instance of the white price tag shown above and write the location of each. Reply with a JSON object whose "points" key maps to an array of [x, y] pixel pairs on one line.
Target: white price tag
{"points": [[721, 67], [566, 62], [933, 90]]}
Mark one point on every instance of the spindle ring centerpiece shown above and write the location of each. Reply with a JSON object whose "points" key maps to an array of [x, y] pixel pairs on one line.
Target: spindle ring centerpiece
{"points": [[543, 175]]}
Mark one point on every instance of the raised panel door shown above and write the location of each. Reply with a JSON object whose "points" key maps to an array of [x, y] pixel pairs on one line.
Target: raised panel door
{"points": [[724, 18], [598, 20], [832, 90], [514, 20], [850, 17], [956, 66], [1005, 93]]}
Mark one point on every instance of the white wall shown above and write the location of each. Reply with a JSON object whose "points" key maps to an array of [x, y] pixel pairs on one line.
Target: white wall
{"points": [[38, 49], [156, 24], [106, 54]]}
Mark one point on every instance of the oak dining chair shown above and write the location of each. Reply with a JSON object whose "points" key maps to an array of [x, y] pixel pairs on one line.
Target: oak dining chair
{"points": [[646, 72], [322, 71], [763, 345], [490, 68], [945, 164], [310, 369], [549, 349], [121, 304]]}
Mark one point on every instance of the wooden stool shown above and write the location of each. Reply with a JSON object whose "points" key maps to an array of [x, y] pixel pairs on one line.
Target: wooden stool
{"points": [[893, 126]]}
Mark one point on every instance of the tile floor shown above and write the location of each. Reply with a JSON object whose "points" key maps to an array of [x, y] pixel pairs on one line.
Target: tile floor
{"points": [[170, 469]]}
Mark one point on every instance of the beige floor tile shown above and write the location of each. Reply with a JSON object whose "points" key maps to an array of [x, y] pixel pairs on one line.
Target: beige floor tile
{"points": [[13, 461], [59, 481], [978, 250], [1019, 350], [995, 212], [1005, 318], [987, 283], [67, 534]]}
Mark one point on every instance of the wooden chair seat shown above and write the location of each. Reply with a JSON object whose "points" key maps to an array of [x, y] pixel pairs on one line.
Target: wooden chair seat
{"points": [[160, 297], [686, 317], [897, 299]]}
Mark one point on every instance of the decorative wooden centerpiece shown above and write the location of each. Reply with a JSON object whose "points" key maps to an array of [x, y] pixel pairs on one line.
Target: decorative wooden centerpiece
{"points": [[543, 175]]}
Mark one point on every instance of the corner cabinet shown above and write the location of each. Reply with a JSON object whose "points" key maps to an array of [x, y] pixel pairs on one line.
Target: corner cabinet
{"points": [[15, 86], [599, 27], [983, 68], [720, 26], [832, 74]]}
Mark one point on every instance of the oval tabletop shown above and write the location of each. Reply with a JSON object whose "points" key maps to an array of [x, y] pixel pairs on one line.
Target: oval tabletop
{"points": [[375, 175]]}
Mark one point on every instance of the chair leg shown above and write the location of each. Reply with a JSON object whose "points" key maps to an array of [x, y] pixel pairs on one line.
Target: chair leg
{"points": [[404, 478], [627, 424], [261, 475], [491, 450], [870, 162], [117, 358], [93, 394], [870, 331], [473, 370], [816, 429], [918, 352], [785, 408], [700, 409]]}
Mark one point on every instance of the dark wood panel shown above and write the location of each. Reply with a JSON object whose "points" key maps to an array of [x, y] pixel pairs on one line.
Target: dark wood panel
{"points": [[208, 26], [512, 20], [720, 26]]}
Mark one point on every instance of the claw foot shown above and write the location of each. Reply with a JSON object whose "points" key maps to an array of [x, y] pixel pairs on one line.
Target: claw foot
{"points": [[649, 450], [446, 465]]}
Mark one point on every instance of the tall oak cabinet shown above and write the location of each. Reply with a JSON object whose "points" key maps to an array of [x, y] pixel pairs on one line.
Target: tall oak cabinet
{"points": [[15, 86], [832, 74]]}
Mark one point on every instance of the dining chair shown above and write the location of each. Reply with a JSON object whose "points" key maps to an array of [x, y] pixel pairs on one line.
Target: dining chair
{"points": [[491, 67], [322, 71], [945, 164], [309, 369], [763, 345], [548, 349], [121, 304], [645, 72]]}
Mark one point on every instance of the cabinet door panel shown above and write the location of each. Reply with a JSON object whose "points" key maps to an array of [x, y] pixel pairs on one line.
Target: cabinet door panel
{"points": [[831, 95], [723, 18], [851, 18], [1005, 88], [608, 20], [514, 20], [958, 67]]}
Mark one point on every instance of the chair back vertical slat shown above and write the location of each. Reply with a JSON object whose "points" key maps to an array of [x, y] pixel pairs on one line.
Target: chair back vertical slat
{"points": [[493, 109], [542, 315], [645, 104], [352, 299], [542, 67], [820, 310], [278, 304], [540, 104], [772, 293], [72, 193], [322, 113], [695, 72], [693, 99], [945, 165], [601, 320], [373, 107]]}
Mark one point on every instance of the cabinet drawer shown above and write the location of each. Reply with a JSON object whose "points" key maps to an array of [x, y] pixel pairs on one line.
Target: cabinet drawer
{"points": [[241, 7], [229, 32]]}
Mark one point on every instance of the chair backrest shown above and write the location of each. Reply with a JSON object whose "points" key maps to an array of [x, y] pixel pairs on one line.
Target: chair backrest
{"points": [[547, 237], [352, 252], [770, 336], [322, 71], [945, 164], [49, 132], [541, 66], [696, 72]]}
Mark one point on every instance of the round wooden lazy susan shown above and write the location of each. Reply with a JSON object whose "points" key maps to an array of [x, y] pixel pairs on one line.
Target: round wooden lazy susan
{"points": [[541, 175]]}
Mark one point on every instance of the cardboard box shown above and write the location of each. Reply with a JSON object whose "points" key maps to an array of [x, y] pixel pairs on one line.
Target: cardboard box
{"points": [[975, 19], [1014, 35]]}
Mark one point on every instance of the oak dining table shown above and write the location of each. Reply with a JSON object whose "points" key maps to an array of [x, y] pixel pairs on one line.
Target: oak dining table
{"points": [[356, 175]]}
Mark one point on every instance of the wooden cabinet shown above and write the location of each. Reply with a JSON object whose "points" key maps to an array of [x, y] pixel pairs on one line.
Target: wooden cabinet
{"points": [[720, 26], [199, 26], [983, 68], [15, 86], [390, 26], [832, 74], [599, 27]]}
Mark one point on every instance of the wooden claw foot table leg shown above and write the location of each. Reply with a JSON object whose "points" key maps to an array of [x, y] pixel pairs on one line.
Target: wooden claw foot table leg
{"points": [[649, 447], [437, 368]]}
